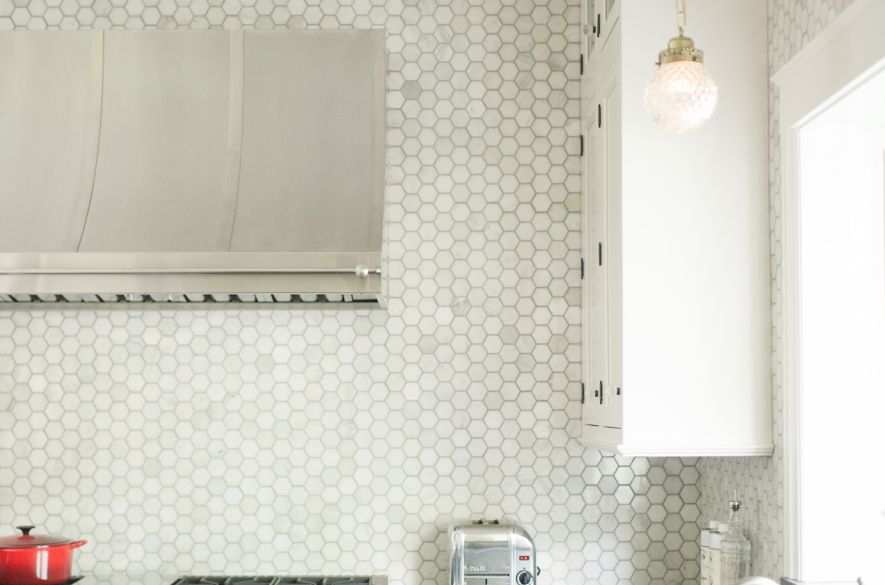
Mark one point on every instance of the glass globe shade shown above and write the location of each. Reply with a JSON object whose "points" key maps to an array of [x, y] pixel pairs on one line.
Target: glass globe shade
{"points": [[681, 96]]}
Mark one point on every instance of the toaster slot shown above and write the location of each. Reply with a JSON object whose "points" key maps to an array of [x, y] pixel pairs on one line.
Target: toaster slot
{"points": [[487, 580]]}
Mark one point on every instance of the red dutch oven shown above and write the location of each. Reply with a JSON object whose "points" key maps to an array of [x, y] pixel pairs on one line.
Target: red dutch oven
{"points": [[30, 559]]}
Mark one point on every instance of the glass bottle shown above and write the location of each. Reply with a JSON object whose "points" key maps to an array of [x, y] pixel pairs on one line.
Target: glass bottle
{"points": [[735, 553]]}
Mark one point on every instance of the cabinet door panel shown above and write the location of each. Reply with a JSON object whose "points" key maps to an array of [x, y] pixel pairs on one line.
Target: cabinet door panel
{"points": [[595, 289], [608, 12], [588, 28], [585, 39], [610, 130]]}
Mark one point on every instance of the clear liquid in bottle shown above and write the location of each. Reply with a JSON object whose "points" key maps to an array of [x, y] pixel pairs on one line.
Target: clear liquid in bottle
{"points": [[735, 552]]}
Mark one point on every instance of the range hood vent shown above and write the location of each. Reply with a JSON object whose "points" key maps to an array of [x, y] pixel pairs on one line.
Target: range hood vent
{"points": [[192, 167], [194, 300]]}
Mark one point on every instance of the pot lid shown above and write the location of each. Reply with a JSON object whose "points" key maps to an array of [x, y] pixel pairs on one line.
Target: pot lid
{"points": [[28, 540]]}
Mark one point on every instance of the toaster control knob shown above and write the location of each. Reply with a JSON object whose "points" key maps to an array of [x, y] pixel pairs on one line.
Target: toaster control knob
{"points": [[524, 578]]}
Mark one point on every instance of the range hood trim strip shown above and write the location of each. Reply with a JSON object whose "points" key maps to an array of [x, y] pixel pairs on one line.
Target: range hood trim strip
{"points": [[355, 271], [247, 262], [190, 283]]}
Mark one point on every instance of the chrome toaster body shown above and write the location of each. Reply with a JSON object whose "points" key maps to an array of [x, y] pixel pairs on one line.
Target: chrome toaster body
{"points": [[490, 554]]}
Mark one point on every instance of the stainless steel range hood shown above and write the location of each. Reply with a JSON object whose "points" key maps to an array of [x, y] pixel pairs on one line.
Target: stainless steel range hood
{"points": [[207, 166]]}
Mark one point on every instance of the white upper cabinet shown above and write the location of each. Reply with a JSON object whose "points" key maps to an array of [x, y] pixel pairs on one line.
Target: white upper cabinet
{"points": [[598, 18], [675, 238]]}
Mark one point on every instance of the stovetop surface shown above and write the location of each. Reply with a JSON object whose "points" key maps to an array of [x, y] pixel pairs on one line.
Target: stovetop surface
{"points": [[271, 580]]}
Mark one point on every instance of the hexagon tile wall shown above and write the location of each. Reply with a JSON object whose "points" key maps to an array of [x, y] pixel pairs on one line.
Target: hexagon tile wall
{"points": [[759, 480], [339, 442]]}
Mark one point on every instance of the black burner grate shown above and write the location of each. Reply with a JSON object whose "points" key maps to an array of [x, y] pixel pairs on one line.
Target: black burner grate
{"points": [[271, 580]]}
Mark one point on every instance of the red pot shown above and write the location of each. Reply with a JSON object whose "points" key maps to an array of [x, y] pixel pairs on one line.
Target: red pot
{"points": [[36, 559]]}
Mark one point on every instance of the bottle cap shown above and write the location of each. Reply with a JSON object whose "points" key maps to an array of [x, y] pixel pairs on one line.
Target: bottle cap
{"points": [[734, 505]]}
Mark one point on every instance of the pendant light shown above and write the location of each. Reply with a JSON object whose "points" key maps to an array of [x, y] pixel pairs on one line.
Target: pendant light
{"points": [[681, 95]]}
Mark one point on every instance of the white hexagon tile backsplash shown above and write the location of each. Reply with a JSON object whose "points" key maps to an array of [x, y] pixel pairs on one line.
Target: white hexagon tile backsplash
{"points": [[339, 442]]}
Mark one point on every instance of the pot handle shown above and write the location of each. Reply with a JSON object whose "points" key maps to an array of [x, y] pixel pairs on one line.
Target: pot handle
{"points": [[77, 544]]}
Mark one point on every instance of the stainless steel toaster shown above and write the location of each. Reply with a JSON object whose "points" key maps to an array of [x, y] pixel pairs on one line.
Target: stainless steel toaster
{"points": [[490, 553]]}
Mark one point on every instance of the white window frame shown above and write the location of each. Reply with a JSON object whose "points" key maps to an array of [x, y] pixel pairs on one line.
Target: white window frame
{"points": [[843, 56]]}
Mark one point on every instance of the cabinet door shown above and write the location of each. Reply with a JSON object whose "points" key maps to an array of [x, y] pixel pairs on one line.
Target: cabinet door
{"points": [[602, 406], [586, 39], [595, 288], [598, 19], [608, 11], [609, 112]]}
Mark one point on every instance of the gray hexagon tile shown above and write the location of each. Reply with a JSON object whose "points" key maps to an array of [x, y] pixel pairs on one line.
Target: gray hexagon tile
{"points": [[792, 25], [341, 442]]}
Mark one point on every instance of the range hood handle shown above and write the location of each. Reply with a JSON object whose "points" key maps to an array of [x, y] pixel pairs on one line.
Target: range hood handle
{"points": [[364, 271]]}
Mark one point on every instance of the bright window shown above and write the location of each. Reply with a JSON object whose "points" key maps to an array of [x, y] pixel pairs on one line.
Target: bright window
{"points": [[841, 391]]}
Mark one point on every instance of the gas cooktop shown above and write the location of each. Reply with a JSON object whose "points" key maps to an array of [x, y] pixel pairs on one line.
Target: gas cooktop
{"points": [[279, 580]]}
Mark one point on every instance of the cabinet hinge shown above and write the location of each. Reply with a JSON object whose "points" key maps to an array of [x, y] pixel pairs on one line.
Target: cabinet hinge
{"points": [[599, 115], [582, 269], [582, 392], [582, 64], [599, 252], [600, 392], [598, 28], [581, 148]]}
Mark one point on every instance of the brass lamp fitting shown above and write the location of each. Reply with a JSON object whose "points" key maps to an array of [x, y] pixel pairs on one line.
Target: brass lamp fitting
{"points": [[680, 48]]}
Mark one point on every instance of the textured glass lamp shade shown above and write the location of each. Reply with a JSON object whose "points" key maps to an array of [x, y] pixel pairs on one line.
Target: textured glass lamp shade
{"points": [[681, 96]]}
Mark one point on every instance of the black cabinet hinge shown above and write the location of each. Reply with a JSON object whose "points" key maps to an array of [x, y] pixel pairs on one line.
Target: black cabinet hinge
{"points": [[582, 269], [582, 64], [599, 115], [599, 252], [582, 393], [581, 149], [598, 28]]}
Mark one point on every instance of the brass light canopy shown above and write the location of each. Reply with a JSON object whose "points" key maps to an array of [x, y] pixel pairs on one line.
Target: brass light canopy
{"points": [[680, 48]]}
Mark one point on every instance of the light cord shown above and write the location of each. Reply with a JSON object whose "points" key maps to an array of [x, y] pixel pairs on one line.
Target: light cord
{"points": [[680, 16]]}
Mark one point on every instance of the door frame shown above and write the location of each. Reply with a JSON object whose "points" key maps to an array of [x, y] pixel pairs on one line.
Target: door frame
{"points": [[843, 56]]}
